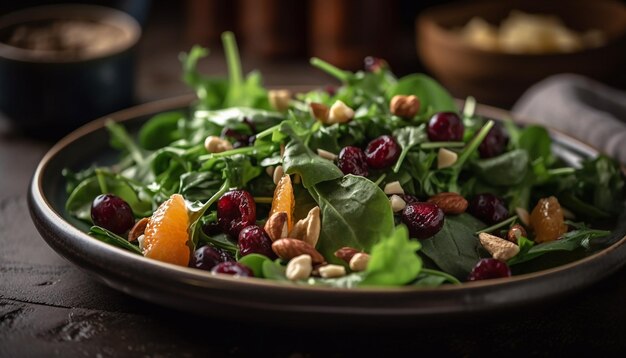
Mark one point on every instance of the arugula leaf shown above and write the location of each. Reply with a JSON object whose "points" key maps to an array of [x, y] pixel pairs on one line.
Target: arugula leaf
{"points": [[110, 238], [211, 92], [355, 212], [79, 202], [393, 260], [197, 210], [454, 249], [160, 130], [536, 141], [568, 242]]}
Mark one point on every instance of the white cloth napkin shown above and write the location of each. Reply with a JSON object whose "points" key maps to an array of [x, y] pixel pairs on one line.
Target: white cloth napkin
{"points": [[581, 107]]}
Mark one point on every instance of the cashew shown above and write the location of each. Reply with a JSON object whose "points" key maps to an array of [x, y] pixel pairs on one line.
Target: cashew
{"points": [[393, 188], [320, 111], [215, 144], [340, 113], [499, 249], [332, 271], [359, 262], [446, 158], [523, 215], [299, 268], [278, 174], [279, 99], [308, 229], [397, 203], [326, 154]]}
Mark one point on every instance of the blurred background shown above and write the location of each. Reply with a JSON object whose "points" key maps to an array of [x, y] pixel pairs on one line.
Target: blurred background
{"points": [[279, 36]]}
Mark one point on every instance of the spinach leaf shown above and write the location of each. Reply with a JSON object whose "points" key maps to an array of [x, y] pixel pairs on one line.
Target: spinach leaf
{"points": [[110, 238], [536, 141], [433, 97], [568, 242], [160, 130], [454, 249], [298, 158], [355, 212], [393, 260], [507, 169], [255, 262], [273, 270], [408, 137], [433, 278]]}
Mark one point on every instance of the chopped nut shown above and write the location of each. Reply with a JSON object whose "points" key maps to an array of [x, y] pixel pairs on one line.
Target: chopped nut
{"points": [[215, 144], [326, 154], [397, 203], [279, 99], [308, 229], [359, 262], [332, 271], [449, 203], [340, 113], [320, 112], [446, 158], [299, 268], [404, 106], [278, 174], [276, 226], [515, 232], [393, 188], [346, 253], [270, 171], [138, 229], [140, 240], [288, 248], [523, 216], [499, 249]]}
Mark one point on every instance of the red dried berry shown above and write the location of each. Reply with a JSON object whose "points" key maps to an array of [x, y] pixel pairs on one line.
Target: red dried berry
{"points": [[424, 220]]}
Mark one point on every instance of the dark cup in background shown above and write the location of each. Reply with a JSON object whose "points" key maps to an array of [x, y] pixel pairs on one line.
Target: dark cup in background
{"points": [[48, 93]]}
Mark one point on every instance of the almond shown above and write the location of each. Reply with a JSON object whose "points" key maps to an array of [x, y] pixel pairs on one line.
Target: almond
{"points": [[288, 248], [449, 203], [346, 253], [138, 229], [499, 249], [276, 226]]}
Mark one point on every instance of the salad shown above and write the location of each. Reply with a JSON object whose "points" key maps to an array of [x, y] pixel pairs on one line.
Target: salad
{"points": [[379, 182]]}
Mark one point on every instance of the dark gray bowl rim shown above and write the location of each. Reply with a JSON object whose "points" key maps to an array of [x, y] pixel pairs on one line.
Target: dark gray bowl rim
{"points": [[172, 285]]}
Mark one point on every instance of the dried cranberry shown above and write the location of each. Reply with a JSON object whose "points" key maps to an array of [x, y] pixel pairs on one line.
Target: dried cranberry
{"points": [[488, 208], [254, 240], [235, 210], [352, 161], [494, 143], [112, 213], [206, 257], [487, 269], [382, 152], [232, 268], [423, 219], [445, 127]]}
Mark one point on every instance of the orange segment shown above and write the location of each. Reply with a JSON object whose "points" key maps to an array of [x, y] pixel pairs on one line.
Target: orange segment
{"points": [[284, 199], [165, 238], [547, 220]]}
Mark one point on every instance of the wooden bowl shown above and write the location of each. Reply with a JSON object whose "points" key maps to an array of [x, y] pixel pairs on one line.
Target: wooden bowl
{"points": [[500, 78]]}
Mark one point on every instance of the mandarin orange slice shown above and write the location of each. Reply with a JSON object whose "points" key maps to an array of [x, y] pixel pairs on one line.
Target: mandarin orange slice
{"points": [[284, 199], [547, 220], [166, 236]]}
